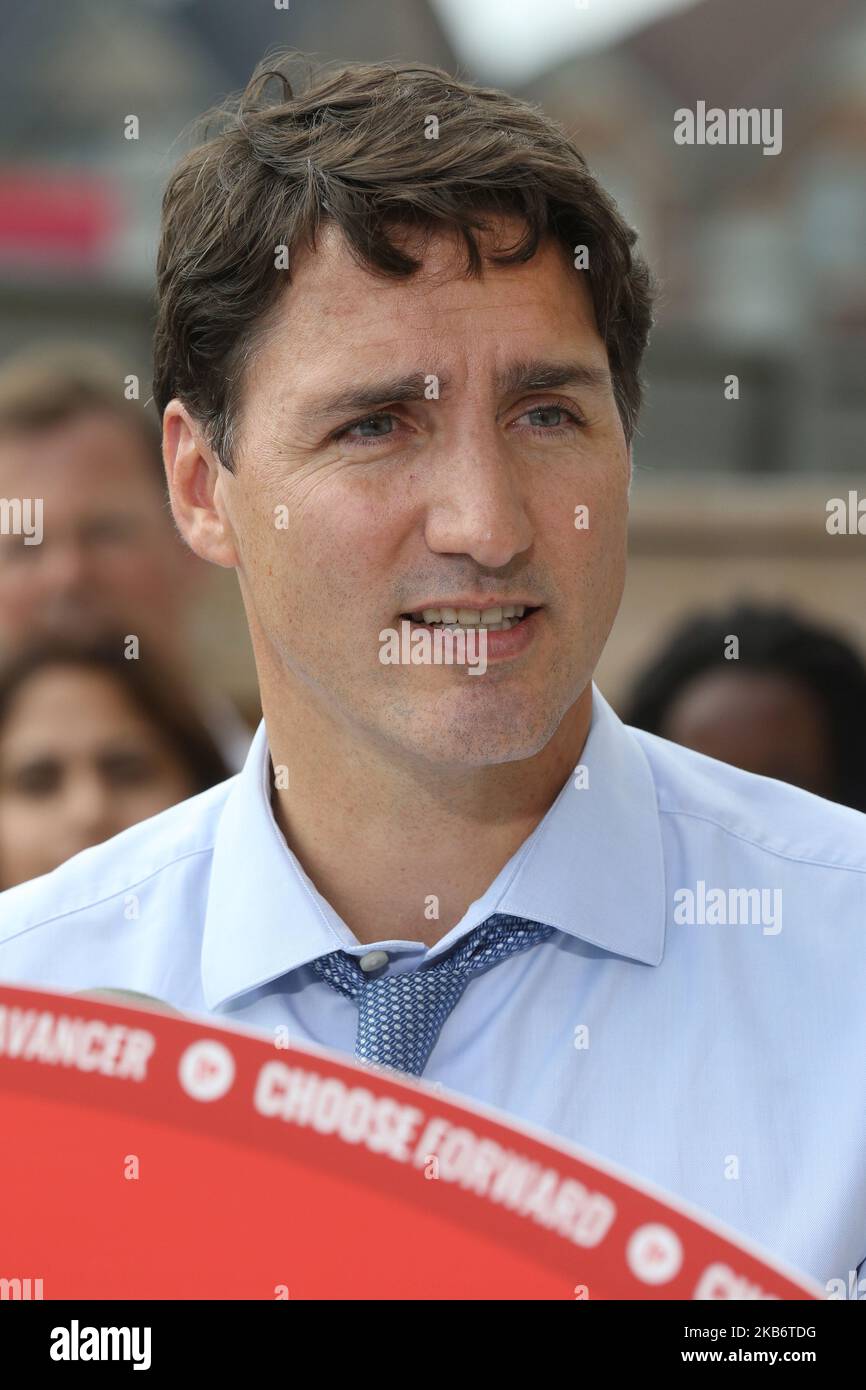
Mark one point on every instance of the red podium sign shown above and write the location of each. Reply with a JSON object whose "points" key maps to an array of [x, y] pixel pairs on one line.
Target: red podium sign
{"points": [[151, 1156]]}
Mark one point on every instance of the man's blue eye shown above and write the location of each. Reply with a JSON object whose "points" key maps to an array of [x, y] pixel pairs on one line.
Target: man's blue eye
{"points": [[376, 421], [559, 410]]}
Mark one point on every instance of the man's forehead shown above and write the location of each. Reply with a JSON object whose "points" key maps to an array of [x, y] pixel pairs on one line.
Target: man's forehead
{"points": [[337, 317], [332, 276]]}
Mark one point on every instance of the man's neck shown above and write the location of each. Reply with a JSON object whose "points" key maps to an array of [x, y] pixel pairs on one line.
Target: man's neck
{"points": [[398, 855]]}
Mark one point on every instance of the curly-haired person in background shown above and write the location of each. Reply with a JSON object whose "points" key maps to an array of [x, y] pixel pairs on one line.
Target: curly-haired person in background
{"points": [[786, 701]]}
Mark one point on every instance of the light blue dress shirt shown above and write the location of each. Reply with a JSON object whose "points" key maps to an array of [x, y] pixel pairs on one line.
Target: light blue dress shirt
{"points": [[698, 1016]]}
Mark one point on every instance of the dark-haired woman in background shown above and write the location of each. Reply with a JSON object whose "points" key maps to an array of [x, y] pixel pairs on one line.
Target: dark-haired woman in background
{"points": [[90, 743], [791, 706]]}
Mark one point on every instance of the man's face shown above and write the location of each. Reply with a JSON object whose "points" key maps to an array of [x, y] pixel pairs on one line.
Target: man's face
{"points": [[346, 519], [109, 560]]}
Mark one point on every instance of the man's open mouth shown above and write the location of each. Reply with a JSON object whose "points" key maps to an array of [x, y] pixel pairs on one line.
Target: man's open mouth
{"points": [[492, 619]]}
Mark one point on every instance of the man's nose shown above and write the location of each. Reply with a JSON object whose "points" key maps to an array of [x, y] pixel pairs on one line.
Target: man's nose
{"points": [[482, 510]]}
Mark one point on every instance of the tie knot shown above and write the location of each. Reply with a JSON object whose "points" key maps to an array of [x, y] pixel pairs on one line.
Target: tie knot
{"points": [[500, 936], [401, 1015]]}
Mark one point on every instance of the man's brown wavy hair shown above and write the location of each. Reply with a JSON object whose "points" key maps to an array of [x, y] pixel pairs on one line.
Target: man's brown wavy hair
{"points": [[352, 148]]}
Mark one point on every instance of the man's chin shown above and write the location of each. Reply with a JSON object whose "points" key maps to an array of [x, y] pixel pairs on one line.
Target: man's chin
{"points": [[477, 740]]}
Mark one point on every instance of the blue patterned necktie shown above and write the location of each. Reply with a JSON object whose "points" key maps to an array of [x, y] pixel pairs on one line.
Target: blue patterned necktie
{"points": [[400, 1016]]}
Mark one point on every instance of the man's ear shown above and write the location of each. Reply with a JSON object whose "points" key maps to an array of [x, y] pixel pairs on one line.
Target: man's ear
{"points": [[196, 482]]}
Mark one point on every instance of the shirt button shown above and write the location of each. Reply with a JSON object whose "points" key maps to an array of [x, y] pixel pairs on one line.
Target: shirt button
{"points": [[373, 960]]}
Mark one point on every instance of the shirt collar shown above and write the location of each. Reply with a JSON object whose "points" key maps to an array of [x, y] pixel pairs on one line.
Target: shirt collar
{"points": [[592, 868]]}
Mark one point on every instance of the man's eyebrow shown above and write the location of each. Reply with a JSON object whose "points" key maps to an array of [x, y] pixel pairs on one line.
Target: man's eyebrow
{"points": [[542, 374], [536, 374], [374, 394]]}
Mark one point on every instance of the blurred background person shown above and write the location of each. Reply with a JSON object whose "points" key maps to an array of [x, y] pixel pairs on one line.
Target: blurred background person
{"points": [[790, 706], [109, 559], [90, 744]]}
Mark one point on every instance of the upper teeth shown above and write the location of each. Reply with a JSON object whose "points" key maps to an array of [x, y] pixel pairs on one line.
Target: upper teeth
{"points": [[471, 617]]}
